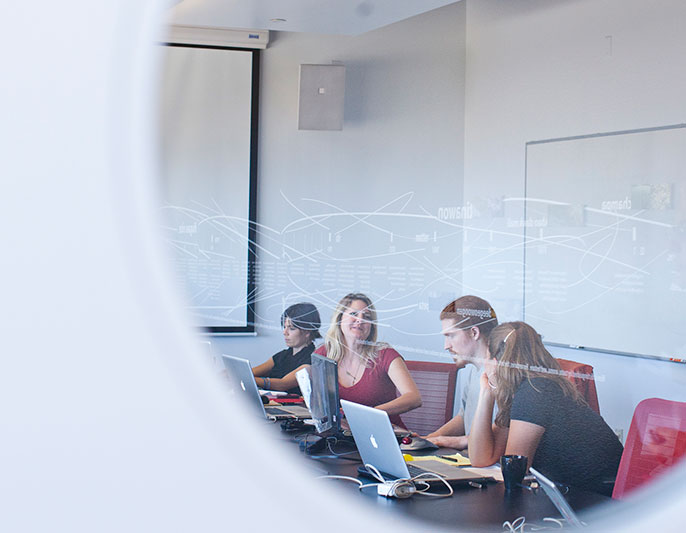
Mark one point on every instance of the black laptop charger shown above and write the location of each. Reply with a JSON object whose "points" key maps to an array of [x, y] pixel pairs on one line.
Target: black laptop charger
{"points": [[312, 444]]}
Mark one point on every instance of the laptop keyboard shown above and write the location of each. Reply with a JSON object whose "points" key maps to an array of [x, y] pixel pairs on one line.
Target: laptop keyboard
{"points": [[415, 470], [276, 411]]}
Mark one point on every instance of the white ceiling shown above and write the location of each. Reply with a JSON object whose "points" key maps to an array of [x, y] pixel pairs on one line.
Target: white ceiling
{"points": [[350, 17]]}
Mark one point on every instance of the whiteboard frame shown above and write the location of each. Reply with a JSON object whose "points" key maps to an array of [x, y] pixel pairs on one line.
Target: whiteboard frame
{"points": [[525, 236]]}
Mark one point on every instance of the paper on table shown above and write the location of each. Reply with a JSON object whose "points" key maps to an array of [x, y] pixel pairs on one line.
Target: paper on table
{"points": [[274, 393], [305, 384], [459, 460], [484, 471], [487, 471]]}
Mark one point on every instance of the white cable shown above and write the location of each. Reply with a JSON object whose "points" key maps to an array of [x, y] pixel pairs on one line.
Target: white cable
{"points": [[348, 478], [337, 454], [399, 488], [558, 521], [394, 485], [419, 478], [520, 525], [515, 527], [374, 472], [429, 475]]}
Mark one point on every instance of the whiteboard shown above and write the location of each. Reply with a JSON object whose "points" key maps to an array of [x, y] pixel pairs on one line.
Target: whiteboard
{"points": [[605, 241], [208, 131]]}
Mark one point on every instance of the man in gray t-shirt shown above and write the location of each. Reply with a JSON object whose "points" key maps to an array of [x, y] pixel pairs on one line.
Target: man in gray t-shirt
{"points": [[467, 394], [466, 324]]}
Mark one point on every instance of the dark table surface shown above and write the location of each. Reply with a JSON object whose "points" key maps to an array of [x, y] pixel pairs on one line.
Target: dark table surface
{"points": [[469, 508]]}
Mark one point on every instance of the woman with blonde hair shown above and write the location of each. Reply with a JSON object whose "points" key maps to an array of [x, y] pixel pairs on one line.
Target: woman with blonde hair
{"points": [[541, 415], [369, 373]]}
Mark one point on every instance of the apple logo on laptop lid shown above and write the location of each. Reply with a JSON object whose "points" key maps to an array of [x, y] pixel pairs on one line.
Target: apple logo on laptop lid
{"points": [[373, 441]]}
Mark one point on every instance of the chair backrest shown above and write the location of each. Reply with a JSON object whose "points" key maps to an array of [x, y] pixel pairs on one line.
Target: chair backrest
{"points": [[656, 440], [581, 375], [436, 384]]}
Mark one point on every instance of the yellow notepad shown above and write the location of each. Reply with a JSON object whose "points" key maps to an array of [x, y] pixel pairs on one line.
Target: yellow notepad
{"points": [[455, 459]]}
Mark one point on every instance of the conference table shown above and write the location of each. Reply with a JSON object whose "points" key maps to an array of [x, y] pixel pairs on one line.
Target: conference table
{"points": [[469, 508]]}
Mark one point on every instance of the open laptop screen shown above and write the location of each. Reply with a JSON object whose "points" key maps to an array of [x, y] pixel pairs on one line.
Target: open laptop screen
{"points": [[243, 383]]}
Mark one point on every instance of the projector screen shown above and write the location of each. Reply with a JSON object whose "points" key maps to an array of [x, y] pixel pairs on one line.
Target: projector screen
{"points": [[208, 125], [605, 243]]}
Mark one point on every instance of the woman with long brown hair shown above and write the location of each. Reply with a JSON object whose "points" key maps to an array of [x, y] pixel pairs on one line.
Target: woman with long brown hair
{"points": [[369, 372], [541, 415]]}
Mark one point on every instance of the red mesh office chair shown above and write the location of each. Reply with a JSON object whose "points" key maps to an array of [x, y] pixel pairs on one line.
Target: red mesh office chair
{"points": [[436, 384], [656, 440], [584, 385]]}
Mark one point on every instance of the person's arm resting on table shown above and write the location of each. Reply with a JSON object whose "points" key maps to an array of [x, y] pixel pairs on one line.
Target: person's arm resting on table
{"points": [[409, 394], [288, 382], [451, 434]]}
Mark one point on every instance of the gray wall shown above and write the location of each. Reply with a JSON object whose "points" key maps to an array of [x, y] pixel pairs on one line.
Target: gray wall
{"points": [[538, 69], [534, 70], [398, 156]]}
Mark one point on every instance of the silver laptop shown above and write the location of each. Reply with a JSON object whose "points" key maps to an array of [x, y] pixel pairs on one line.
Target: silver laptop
{"points": [[240, 374], [378, 446]]}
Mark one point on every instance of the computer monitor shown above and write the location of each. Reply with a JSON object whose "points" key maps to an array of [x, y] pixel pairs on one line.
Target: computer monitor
{"points": [[324, 401]]}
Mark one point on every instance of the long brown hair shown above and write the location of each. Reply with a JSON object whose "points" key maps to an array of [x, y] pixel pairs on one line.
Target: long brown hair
{"points": [[520, 355]]}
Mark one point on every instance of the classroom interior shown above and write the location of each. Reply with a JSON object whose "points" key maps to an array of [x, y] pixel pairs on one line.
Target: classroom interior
{"points": [[439, 108], [440, 113]]}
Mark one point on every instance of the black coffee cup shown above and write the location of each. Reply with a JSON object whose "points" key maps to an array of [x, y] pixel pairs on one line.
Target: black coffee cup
{"points": [[514, 469]]}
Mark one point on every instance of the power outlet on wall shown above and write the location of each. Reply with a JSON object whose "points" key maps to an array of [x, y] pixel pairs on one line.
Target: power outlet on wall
{"points": [[620, 434]]}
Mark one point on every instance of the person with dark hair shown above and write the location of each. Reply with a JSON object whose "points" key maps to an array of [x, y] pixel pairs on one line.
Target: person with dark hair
{"points": [[541, 415], [466, 324], [300, 323], [369, 372]]}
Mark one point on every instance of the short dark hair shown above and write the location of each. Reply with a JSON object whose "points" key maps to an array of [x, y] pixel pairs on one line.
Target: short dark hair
{"points": [[304, 316]]}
